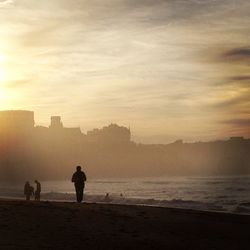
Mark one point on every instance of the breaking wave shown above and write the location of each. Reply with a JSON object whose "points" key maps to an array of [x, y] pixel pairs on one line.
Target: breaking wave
{"points": [[224, 194]]}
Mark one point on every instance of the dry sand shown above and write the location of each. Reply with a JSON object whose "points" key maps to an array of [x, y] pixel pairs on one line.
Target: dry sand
{"points": [[59, 225]]}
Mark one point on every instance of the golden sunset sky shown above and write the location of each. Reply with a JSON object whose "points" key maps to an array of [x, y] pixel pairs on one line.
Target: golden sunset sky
{"points": [[169, 69]]}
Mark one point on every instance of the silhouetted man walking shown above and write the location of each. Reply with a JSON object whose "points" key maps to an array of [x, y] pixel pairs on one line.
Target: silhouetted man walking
{"points": [[79, 179]]}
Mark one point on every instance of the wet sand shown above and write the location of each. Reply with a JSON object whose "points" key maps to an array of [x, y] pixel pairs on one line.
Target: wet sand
{"points": [[61, 225]]}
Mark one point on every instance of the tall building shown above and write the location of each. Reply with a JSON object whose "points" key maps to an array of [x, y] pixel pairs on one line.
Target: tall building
{"points": [[56, 122], [110, 134], [16, 121]]}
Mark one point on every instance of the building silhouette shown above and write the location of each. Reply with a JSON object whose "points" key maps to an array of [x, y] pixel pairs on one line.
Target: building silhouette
{"points": [[113, 134], [31, 151], [56, 122], [16, 121]]}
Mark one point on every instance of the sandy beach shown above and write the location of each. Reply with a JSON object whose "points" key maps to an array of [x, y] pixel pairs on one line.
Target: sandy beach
{"points": [[61, 225]]}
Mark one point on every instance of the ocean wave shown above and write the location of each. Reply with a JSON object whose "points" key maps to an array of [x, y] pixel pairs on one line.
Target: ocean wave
{"points": [[212, 178], [157, 182], [231, 206], [116, 199], [214, 182], [110, 182], [243, 208]]}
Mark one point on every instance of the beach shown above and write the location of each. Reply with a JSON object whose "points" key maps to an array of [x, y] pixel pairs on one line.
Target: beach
{"points": [[68, 225]]}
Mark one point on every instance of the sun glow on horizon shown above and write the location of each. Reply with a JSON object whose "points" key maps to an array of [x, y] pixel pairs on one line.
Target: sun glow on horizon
{"points": [[3, 72], [3, 79]]}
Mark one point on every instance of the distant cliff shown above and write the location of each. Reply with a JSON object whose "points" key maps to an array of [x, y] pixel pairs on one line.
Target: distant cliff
{"points": [[28, 152]]}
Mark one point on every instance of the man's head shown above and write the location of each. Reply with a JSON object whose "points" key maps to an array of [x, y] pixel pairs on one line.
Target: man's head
{"points": [[78, 168], [35, 181]]}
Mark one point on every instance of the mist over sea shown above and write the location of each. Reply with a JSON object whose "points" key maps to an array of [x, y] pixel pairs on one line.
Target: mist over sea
{"points": [[213, 193]]}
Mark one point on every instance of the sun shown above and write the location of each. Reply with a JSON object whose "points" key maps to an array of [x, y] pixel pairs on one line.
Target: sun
{"points": [[4, 95], [3, 76]]}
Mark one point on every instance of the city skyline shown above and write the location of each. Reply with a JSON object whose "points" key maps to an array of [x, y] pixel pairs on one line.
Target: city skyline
{"points": [[28, 150], [24, 121], [167, 69]]}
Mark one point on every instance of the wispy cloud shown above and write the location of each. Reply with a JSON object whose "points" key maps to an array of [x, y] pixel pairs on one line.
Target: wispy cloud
{"points": [[6, 4], [240, 78], [237, 54], [238, 122], [19, 83]]}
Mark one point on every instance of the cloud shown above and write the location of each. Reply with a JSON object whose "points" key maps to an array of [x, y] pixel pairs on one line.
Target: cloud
{"points": [[41, 35], [232, 102], [6, 4], [238, 122], [19, 83], [237, 54], [240, 78]]}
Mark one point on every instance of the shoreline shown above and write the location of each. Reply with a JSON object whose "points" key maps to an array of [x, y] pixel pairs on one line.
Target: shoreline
{"points": [[9, 198], [68, 225]]}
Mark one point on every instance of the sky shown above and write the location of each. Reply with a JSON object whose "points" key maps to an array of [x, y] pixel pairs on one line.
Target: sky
{"points": [[168, 69]]}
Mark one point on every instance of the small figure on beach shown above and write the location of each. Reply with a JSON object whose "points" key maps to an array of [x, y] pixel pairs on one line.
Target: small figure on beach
{"points": [[107, 198], [79, 179], [38, 190], [28, 190]]}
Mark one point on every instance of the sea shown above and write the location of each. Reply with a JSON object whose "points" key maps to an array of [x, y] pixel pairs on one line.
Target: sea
{"points": [[229, 194]]}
